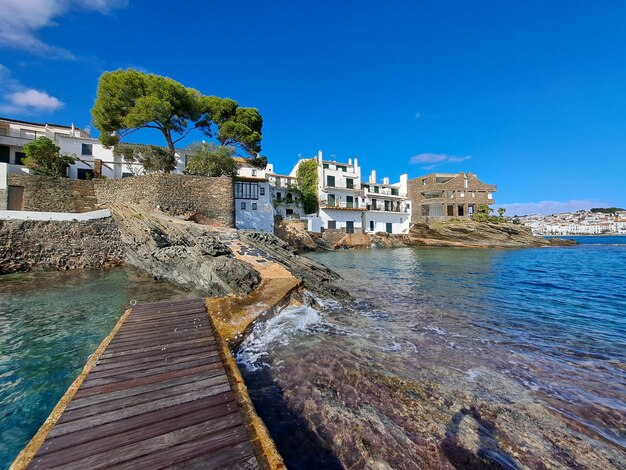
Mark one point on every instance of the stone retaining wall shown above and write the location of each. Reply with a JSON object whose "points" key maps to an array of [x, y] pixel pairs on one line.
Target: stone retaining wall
{"points": [[213, 198], [29, 245], [47, 194]]}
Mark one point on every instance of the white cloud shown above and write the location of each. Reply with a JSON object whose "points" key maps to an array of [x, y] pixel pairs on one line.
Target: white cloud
{"points": [[434, 160], [20, 20], [22, 100], [550, 207]]}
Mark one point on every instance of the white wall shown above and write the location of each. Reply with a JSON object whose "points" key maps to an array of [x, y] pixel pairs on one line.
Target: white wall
{"points": [[261, 218], [400, 221], [57, 216], [341, 217]]}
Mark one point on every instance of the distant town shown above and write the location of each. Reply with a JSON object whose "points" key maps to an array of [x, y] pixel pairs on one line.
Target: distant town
{"points": [[593, 222]]}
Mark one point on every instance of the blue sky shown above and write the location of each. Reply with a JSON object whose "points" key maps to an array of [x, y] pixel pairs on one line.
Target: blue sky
{"points": [[530, 96]]}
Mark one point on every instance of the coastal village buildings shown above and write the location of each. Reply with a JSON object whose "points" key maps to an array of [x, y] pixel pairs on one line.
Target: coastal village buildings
{"points": [[348, 204], [576, 223], [441, 196]]}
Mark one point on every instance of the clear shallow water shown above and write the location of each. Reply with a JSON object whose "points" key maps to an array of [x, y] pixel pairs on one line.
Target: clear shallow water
{"points": [[49, 325], [503, 357]]}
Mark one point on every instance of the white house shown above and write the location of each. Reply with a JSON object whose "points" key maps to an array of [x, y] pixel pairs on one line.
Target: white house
{"points": [[286, 197], [388, 206], [347, 203], [253, 198]]}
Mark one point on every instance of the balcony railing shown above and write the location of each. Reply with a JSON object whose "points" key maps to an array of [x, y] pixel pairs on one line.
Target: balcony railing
{"points": [[342, 186], [340, 205], [26, 135], [383, 192], [382, 208]]}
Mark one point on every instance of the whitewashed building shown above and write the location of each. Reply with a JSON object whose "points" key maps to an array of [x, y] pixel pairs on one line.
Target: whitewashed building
{"points": [[347, 203], [253, 197], [286, 197], [388, 206]]}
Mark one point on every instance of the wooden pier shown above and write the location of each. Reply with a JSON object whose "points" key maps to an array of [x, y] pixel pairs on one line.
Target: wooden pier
{"points": [[158, 396]]}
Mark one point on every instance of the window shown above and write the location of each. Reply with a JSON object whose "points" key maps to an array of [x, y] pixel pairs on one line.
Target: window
{"points": [[325, 165], [289, 211], [126, 175], [332, 224], [489, 196], [450, 194], [473, 194], [279, 196], [462, 194], [376, 189], [330, 181], [245, 190], [424, 182], [465, 183], [87, 149], [395, 192], [84, 173], [371, 225], [243, 206], [19, 157], [408, 206], [262, 191], [254, 206], [349, 183], [253, 172], [350, 226], [341, 168]]}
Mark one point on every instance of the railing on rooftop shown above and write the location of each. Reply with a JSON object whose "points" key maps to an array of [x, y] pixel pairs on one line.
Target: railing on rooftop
{"points": [[26, 135]]}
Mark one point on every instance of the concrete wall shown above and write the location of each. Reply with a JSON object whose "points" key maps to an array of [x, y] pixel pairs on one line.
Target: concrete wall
{"points": [[30, 245], [341, 217], [174, 194], [46, 194], [400, 221]]}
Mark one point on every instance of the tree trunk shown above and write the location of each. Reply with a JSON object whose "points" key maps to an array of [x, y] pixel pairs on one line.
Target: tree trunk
{"points": [[170, 146]]}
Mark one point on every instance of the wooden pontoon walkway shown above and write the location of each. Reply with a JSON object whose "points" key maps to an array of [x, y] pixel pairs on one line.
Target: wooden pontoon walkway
{"points": [[158, 397]]}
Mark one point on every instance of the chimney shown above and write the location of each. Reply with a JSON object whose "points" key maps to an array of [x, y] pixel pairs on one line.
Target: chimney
{"points": [[349, 161], [404, 183], [385, 180], [319, 156], [373, 177]]}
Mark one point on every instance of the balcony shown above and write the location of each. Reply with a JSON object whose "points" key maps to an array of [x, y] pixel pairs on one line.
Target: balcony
{"points": [[383, 192], [340, 205], [382, 208], [328, 187], [19, 138]]}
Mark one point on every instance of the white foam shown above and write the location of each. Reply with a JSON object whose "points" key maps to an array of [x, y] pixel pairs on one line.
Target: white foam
{"points": [[277, 331]]}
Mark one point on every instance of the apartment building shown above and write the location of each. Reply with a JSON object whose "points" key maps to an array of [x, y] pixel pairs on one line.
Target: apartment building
{"points": [[286, 197], [387, 206], [441, 196]]}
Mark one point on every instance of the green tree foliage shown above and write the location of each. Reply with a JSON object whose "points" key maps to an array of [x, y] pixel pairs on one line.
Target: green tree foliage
{"points": [[44, 158], [151, 158], [129, 100], [306, 178], [501, 212], [211, 160], [483, 214], [606, 210]]}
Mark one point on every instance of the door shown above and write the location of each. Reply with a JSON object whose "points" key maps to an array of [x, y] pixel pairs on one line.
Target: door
{"points": [[16, 198], [331, 200], [350, 226], [389, 227], [349, 202], [371, 226], [5, 152]]}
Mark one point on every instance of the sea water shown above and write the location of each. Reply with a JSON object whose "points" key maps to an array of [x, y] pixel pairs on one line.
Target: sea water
{"points": [[451, 358], [50, 323]]}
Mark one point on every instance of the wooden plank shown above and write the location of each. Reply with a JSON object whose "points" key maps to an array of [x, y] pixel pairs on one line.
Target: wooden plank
{"points": [[157, 397], [138, 443], [128, 392], [138, 399], [206, 406], [136, 349], [117, 415], [94, 382], [215, 368]]}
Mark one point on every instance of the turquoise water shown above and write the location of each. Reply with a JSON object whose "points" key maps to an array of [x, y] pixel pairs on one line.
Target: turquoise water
{"points": [[534, 339], [49, 325]]}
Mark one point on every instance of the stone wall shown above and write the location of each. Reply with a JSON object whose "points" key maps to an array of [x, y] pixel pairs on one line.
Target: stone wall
{"points": [[46, 194], [213, 198], [28, 245]]}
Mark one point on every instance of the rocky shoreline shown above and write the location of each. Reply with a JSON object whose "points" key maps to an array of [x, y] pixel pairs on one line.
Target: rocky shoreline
{"points": [[457, 234]]}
